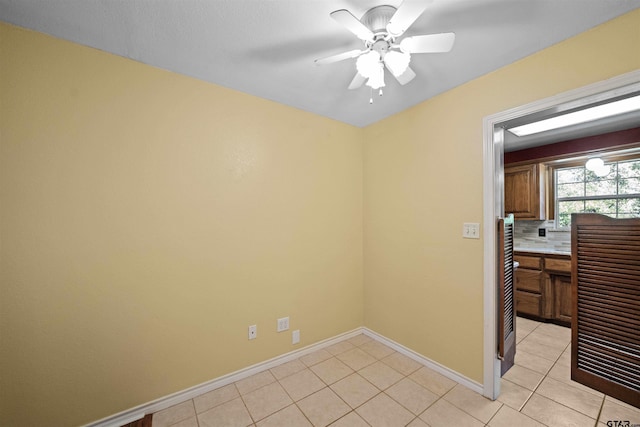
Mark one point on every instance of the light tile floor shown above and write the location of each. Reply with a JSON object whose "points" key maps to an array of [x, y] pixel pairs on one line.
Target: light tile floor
{"points": [[361, 382]]}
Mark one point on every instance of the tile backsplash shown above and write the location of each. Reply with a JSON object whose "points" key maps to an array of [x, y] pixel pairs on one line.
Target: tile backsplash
{"points": [[526, 236]]}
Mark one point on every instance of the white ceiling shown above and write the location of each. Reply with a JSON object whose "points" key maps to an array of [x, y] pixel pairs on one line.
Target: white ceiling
{"points": [[267, 47]]}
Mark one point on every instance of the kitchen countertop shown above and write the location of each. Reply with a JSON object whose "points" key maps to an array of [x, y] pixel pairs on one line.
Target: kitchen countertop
{"points": [[550, 251]]}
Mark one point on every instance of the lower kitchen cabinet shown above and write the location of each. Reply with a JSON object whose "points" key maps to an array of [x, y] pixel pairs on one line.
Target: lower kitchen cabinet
{"points": [[528, 303], [562, 297], [543, 286]]}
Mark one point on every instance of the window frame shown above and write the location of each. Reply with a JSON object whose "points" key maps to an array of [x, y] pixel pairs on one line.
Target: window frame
{"points": [[552, 188]]}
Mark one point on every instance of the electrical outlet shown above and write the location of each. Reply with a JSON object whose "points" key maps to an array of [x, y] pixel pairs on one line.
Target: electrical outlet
{"points": [[283, 324], [295, 336], [542, 232], [253, 332], [471, 230]]}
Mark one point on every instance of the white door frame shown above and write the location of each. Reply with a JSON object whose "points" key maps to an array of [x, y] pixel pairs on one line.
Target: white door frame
{"points": [[493, 190]]}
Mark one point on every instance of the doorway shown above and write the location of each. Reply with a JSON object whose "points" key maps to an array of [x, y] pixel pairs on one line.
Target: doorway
{"points": [[493, 190]]}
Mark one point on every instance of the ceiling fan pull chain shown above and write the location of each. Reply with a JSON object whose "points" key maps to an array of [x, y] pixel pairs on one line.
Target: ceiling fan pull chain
{"points": [[371, 96], [380, 93]]}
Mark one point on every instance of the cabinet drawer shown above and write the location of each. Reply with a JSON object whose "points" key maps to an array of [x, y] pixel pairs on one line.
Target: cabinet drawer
{"points": [[533, 262], [528, 303], [563, 265], [529, 280]]}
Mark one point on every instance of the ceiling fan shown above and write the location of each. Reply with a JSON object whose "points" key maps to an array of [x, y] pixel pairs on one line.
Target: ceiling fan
{"points": [[381, 29]]}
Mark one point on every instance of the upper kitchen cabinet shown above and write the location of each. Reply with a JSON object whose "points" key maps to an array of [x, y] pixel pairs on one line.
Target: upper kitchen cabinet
{"points": [[524, 191]]}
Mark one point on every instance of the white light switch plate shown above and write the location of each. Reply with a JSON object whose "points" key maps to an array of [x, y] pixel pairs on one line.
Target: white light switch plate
{"points": [[471, 230]]}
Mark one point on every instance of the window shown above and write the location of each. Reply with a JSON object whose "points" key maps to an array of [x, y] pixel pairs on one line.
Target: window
{"points": [[580, 190]]}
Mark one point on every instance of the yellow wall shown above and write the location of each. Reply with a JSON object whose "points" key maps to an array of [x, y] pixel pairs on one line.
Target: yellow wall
{"points": [[423, 179], [147, 219]]}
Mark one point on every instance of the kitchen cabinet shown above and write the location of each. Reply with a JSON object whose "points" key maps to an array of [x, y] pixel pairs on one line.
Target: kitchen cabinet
{"points": [[543, 286], [529, 299], [562, 298], [524, 191], [559, 273]]}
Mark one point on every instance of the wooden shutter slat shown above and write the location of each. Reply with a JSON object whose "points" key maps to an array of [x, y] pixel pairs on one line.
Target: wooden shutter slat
{"points": [[506, 300], [605, 351]]}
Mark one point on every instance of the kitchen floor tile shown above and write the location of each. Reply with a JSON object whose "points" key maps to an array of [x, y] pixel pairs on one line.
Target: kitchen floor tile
{"points": [[582, 401], [411, 395], [315, 357], [352, 419], [382, 411], [562, 373], [541, 338], [538, 349], [509, 417], [356, 359], [401, 363], [290, 416], [230, 414], [340, 347], [174, 414], [533, 362], [255, 382], [302, 384], [359, 340], [555, 331], [417, 422], [189, 422], [473, 403], [354, 390], [513, 395], [381, 375], [331, 370], [323, 407], [524, 377], [525, 324], [444, 414], [432, 380], [615, 410], [216, 397], [266, 400], [553, 414], [377, 349], [287, 369]]}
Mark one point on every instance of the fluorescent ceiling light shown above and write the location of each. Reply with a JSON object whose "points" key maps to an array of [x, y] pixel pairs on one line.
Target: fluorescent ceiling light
{"points": [[588, 114]]}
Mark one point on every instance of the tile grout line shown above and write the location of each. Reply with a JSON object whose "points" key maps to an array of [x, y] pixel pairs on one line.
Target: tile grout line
{"points": [[600, 411], [543, 378], [568, 346]]}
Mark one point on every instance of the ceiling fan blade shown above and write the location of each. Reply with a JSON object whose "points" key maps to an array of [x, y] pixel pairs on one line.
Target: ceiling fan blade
{"points": [[339, 57], [352, 24], [405, 15], [405, 77], [358, 80], [431, 43]]}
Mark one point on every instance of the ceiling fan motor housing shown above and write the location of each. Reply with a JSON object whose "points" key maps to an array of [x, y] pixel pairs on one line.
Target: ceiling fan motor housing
{"points": [[377, 18]]}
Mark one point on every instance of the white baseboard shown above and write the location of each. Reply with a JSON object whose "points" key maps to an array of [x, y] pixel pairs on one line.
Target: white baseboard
{"points": [[165, 402], [449, 373]]}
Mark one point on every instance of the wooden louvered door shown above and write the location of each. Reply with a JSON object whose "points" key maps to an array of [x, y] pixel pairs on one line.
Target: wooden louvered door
{"points": [[605, 343], [506, 295]]}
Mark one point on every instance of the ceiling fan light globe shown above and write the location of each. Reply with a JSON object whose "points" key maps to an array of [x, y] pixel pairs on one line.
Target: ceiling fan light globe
{"points": [[397, 62], [368, 64], [376, 80]]}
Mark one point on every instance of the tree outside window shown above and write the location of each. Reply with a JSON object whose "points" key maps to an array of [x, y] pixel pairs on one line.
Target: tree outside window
{"points": [[579, 190]]}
